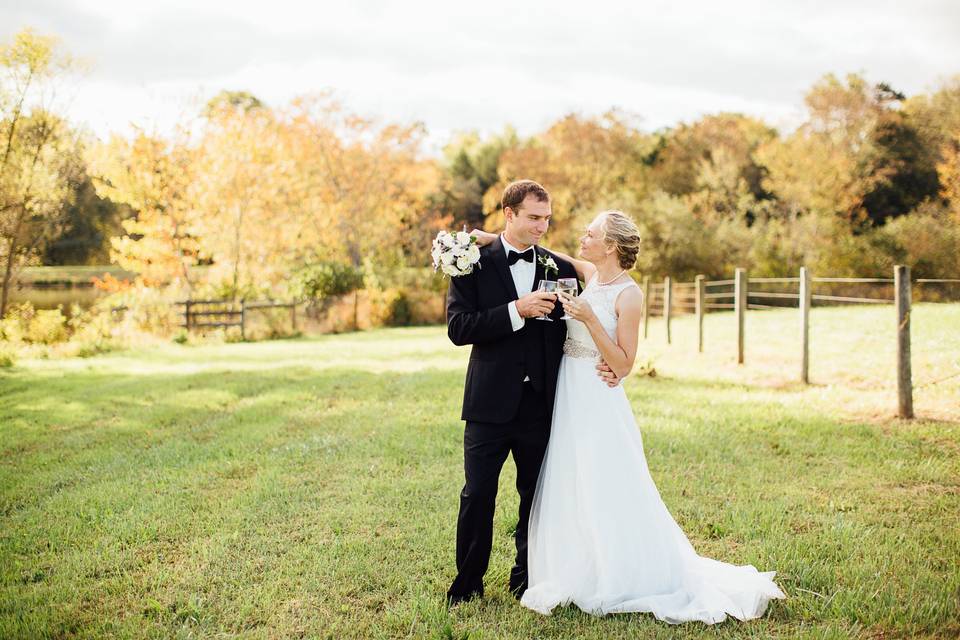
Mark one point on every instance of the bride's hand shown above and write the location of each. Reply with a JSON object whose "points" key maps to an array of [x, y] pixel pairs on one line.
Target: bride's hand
{"points": [[577, 308], [607, 375], [483, 237]]}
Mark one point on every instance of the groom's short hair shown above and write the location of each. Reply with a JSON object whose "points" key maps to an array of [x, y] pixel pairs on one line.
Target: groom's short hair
{"points": [[516, 192]]}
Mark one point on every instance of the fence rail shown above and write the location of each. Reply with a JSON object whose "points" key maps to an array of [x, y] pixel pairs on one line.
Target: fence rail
{"points": [[228, 312], [852, 299], [855, 280], [660, 298]]}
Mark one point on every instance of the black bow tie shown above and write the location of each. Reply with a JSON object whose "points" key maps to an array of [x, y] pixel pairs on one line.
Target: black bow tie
{"points": [[513, 256]]}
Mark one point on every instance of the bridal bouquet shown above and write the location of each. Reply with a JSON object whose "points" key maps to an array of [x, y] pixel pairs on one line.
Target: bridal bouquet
{"points": [[455, 254]]}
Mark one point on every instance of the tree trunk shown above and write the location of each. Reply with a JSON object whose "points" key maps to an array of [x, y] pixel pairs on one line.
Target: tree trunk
{"points": [[238, 228], [7, 273]]}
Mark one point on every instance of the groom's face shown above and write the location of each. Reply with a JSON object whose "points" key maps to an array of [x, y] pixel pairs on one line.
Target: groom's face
{"points": [[530, 221]]}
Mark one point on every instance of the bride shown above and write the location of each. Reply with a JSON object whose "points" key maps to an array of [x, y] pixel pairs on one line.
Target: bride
{"points": [[600, 536]]}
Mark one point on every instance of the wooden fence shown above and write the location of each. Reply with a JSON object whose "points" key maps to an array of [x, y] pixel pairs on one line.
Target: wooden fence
{"points": [[702, 296], [204, 314]]}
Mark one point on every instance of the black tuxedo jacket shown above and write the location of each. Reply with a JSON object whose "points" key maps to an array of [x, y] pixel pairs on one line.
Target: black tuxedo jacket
{"points": [[501, 357]]}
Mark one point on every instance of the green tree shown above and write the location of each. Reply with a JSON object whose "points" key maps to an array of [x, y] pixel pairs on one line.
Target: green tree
{"points": [[470, 165], [857, 157], [82, 234]]}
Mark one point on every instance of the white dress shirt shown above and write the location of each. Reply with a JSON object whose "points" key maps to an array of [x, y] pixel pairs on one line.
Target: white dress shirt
{"points": [[523, 273]]}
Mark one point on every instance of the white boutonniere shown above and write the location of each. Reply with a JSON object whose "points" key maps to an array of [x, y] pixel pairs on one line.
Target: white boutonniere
{"points": [[455, 254], [548, 265]]}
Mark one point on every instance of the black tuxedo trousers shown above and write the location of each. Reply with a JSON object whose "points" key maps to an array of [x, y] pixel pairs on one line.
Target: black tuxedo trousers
{"points": [[485, 449]]}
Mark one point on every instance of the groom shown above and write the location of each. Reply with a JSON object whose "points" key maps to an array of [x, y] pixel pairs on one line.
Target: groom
{"points": [[511, 378]]}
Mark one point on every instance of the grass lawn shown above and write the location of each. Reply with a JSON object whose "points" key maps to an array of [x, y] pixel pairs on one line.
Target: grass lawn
{"points": [[309, 488]]}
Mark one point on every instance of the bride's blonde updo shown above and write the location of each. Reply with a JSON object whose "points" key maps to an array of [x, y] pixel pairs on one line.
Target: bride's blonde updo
{"points": [[621, 232]]}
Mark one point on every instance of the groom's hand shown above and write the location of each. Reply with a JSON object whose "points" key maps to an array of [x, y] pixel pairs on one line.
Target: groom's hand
{"points": [[607, 375], [536, 303]]}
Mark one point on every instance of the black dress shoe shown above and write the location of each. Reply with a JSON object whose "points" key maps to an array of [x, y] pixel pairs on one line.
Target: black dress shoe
{"points": [[518, 590], [455, 599]]}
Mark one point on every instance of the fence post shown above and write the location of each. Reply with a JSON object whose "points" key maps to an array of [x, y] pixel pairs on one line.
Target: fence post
{"points": [[667, 303], [293, 316], [701, 287], [186, 314], [805, 300], [901, 278], [243, 320], [646, 305], [356, 306], [740, 304]]}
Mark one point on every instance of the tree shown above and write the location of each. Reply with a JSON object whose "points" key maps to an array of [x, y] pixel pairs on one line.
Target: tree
{"points": [[155, 177], [236, 191], [904, 169], [35, 144], [471, 165], [857, 157], [685, 153], [949, 173], [353, 185], [936, 117], [82, 234], [587, 164]]}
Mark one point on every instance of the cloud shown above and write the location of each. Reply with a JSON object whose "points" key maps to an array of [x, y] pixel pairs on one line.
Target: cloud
{"points": [[483, 65]]}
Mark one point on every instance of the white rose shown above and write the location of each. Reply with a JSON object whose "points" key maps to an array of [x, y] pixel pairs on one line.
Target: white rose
{"points": [[473, 253], [447, 258], [463, 262], [446, 240], [463, 237], [450, 270]]}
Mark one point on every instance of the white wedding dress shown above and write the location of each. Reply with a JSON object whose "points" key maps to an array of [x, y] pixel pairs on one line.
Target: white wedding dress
{"points": [[600, 536]]}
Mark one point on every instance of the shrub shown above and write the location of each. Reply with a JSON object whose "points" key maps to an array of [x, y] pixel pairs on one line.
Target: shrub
{"points": [[399, 310], [927, 240], [47, 327], [13, 327], [323, 280]]}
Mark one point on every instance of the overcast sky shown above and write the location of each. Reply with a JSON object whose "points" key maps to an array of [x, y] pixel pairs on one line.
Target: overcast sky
{"points": [[483, 65]]}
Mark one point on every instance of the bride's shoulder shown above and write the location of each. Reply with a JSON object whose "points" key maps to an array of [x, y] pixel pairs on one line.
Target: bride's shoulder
{"points": [[630, 295]]}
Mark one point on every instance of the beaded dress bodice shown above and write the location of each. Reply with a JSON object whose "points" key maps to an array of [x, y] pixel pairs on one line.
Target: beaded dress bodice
{"points": [[603, 300]]}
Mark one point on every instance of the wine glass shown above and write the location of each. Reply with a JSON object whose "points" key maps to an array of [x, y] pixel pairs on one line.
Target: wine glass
{"points": [[569, 287], [549, 286]]}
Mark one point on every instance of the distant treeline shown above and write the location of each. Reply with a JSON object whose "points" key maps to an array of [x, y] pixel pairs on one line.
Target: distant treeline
{"points": [[254, 193]]}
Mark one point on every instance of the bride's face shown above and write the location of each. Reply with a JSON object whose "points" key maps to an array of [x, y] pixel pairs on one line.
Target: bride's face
{"points": [[593, 247]]}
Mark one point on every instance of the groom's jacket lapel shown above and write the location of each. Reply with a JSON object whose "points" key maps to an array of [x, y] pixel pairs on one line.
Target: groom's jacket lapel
{"points": [[499, 257]]}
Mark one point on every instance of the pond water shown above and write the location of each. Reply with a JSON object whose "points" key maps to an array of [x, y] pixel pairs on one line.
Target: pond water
{"points": [[50, 297]]}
